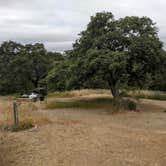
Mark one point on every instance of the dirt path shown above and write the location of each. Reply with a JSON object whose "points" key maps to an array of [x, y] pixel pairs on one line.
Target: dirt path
{"points": [[161, 104], [91, 138]]}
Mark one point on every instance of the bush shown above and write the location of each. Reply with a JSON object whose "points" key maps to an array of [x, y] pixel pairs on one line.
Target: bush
{"points": [[131, 105], [125, 103]]}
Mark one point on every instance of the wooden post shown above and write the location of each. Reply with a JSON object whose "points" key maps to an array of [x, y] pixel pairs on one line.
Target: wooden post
{"points": [[15, 111]]}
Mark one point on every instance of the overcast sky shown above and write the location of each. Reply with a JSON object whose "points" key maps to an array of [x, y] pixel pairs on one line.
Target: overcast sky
{"points": [[56, 23]]}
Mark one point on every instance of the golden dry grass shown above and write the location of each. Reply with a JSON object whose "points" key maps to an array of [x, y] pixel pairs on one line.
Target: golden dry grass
{"points": [[91, 138], [78, 93], [28, 112], [146, 94], [31, 112], [84, 137], [87, 92]]}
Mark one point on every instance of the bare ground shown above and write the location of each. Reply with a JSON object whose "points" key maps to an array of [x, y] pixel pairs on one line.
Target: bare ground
{"points": [[91, 138]]}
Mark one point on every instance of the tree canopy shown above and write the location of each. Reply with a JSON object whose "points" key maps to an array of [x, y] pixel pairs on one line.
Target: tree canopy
{"points": [[110, 53], [124, 51], [22, 67]]}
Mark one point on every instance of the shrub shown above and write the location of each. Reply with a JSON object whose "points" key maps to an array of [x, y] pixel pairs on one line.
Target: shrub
{"points": [[125, 104], [131, 105]]}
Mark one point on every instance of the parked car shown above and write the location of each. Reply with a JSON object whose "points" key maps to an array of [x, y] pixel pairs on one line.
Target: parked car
{"points": [[33, 96]]}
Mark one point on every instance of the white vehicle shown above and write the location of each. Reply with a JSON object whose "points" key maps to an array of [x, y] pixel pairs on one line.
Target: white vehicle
{"points": [[33, 96]]}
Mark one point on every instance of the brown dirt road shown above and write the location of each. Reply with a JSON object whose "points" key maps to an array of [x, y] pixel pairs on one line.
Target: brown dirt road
{"points": [[91, 138]]}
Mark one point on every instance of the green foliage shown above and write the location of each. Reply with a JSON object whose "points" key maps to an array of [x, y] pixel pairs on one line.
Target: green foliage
{"points": [[23, 67], [108, 54], [55, 56], [119, 52], [109, 65], [57, 78], [95, 29], [158, 79], [128, 104]]}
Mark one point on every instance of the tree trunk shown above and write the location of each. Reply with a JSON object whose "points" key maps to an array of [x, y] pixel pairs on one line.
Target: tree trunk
{"points": [[36, 84], [114, 91]]}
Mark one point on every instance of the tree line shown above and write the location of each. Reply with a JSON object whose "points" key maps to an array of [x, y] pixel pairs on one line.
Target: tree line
{"points": [[110, 53], [24, 67]]}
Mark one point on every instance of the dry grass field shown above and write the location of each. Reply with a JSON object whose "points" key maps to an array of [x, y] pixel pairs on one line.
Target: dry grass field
{"points": [[93, 136]]}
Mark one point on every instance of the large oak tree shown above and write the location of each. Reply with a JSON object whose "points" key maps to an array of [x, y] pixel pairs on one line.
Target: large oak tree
{"points": [[129, 45]]}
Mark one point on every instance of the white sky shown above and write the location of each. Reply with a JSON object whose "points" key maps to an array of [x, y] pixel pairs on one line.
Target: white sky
{"points": [[56, 23]]}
